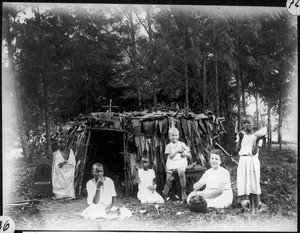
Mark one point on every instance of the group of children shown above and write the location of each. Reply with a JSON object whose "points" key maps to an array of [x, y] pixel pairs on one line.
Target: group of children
{"points": [[216, 180]]}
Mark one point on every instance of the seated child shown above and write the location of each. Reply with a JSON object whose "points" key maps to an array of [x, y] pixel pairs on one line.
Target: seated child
{"points": [[177, 153], [147, 186], [101, 194]]}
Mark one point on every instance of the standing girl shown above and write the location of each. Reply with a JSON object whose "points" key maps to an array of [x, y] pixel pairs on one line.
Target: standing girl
{"points": [[248, 172], [147, 186]]}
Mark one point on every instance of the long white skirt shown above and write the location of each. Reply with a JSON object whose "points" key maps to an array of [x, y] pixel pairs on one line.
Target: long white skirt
{"points": [[95, 211], [147, 196], [222, 201], [248, 175]]}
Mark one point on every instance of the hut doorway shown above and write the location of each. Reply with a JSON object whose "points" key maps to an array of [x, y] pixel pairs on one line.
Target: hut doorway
{"points": [[106, 147]]}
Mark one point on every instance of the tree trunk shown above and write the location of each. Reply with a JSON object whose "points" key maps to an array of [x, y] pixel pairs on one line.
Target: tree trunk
{"points": [[222, 100], [20, 120], [186, 82], [22, 132], [217, 86], [243, 99], [150, 70], [269, 127], [132, 33], [238, 88], [47, 120], [279, 122], [204, 83], [216, 73], [238, 95], [257, 110], [154, 98], [44, 79]]}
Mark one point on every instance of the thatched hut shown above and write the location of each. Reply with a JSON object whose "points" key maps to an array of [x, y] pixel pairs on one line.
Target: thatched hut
{"points": [[119, 140]]}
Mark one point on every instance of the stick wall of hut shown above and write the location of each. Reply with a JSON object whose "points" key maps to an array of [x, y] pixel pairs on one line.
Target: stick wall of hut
{"points": [[146, 134]]}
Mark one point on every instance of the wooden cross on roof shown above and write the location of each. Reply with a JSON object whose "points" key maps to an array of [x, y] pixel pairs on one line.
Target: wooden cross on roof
{"points": [[109, 110]]}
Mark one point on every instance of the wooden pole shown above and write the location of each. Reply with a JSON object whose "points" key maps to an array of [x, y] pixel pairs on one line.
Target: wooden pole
{"points": [[83, 161], [125, 167]]}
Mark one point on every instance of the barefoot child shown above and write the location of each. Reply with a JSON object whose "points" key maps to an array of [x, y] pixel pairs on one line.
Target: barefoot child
{"points": [[101, 194], [147, 186], [177, 153], [248, 172]]}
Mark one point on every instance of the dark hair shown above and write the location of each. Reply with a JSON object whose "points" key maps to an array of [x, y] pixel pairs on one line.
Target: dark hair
{"points": [[150, 163], [218, 152], [98, 164], [248, 116], [145, 158]]}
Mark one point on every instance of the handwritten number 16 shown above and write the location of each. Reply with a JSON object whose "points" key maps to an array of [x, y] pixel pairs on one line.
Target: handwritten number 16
{"points": [[5, 226], [293, 2]]}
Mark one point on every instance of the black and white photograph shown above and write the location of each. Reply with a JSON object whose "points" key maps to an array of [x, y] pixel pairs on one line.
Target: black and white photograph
{"points": [[149, 117]]}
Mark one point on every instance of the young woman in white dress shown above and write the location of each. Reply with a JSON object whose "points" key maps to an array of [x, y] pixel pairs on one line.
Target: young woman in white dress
{"points": [[248, 172], [217, 192]]}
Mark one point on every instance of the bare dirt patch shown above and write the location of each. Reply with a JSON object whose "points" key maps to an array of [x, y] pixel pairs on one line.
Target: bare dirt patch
{"points": [[279, 192]]}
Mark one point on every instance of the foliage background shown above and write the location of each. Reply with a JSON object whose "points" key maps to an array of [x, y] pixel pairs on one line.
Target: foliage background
{"points": [[62, 60]]}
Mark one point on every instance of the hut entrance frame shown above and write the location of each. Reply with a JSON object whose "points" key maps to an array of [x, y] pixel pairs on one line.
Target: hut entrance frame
{"points": [[106, 146]]}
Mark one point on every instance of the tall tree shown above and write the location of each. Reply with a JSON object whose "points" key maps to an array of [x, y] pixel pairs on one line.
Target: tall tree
{"points": [[9, 28]]}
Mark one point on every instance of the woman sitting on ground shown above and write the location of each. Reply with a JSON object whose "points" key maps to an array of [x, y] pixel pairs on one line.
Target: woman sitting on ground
{"points": [[218, 192]]}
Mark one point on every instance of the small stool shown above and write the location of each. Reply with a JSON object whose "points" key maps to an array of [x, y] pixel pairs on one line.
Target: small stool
{"points": [[42, 181]]}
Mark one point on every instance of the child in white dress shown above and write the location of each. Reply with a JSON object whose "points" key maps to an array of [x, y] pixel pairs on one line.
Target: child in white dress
{"points": [[248, 172], [147, 186]]}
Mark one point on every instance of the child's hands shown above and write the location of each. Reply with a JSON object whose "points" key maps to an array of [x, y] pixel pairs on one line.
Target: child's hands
{"points": [[185, 154], [196, 186], [152, 187], [202, 194], [180, 150], [241, 135], [60, 165], [99, 183], [255, 145], [113, 207]]}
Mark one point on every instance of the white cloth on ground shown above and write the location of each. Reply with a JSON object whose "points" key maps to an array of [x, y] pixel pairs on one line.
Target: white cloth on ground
{"points": [[107, 191], [63, 178], [144, 194], [248, 171], [177, 162], [212, 178]]}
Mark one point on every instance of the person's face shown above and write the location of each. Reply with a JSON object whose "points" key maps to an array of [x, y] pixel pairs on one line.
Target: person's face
{"points": [[215, 160], [97, 171], [174, 136], [62, 144], [145, 163], [248, 124]]}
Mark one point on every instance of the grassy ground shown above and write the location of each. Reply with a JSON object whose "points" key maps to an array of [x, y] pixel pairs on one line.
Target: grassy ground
{"points": [[279, 187]]}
